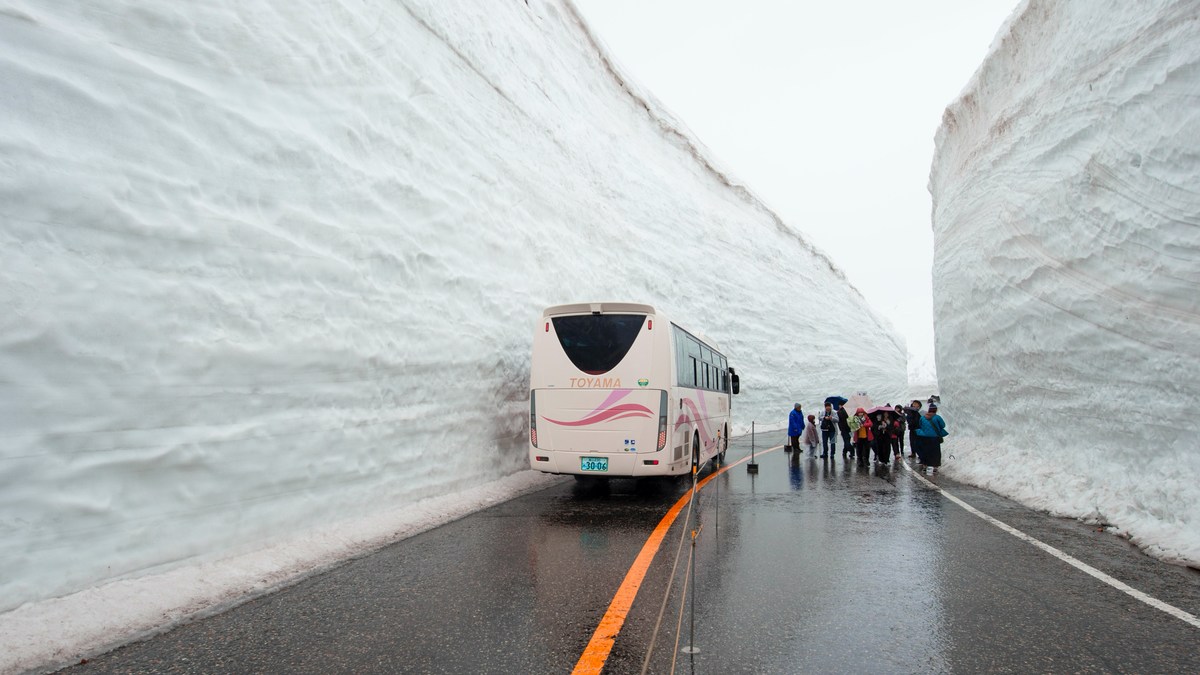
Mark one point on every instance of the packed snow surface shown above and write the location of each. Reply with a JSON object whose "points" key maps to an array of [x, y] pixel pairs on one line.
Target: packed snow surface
{"points": [[1066, 187], [269, 266]]}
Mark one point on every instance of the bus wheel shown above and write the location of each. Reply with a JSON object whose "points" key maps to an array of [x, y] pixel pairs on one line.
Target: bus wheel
{"points": [[724, 447], [696, 451]]}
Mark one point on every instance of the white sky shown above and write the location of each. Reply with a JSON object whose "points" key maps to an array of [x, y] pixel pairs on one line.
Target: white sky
{"points": [[826, 110]]}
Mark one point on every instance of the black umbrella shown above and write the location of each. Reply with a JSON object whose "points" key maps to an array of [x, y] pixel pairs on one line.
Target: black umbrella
{"points": [[837, 401]]}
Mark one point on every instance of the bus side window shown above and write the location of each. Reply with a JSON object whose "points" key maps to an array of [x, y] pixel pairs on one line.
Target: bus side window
{"points": [[680, 359]]}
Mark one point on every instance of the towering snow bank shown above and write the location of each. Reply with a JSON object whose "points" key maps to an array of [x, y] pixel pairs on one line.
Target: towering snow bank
{"points": [[1067, 267], [269, 264]]}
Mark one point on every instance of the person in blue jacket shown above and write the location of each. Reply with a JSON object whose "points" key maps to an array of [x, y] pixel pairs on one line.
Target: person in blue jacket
{"points": [[929, 434], [795, 428]]}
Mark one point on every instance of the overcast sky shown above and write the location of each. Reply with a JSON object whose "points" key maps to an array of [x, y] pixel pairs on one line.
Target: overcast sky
{"points": [[826, 110]]}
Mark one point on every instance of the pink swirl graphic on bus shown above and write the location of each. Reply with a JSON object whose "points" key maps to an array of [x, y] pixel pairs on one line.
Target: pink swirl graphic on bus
{"points": [[615, 396], [614, 413], [705, 438]]}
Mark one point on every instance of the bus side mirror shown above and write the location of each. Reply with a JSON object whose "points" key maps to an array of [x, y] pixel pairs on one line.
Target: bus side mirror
{"points": [[734, 382]]}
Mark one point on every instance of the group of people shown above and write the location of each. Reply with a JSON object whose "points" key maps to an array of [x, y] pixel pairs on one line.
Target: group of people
{"points": [[879, 431]]}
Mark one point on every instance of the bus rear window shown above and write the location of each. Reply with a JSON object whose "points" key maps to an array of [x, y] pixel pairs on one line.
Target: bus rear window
{"points": [[596, 343]]}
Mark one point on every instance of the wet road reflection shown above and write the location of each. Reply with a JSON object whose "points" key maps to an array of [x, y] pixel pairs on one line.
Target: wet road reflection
{"points": [[828, 566], [808, 566], [816, 565]]}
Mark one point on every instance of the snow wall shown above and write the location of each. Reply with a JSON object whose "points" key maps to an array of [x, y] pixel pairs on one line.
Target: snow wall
{"points": [[1067, 268], [269, 263]]}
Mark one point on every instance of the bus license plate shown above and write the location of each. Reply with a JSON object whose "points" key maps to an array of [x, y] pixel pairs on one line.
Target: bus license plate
{"points": [[593, 463]]}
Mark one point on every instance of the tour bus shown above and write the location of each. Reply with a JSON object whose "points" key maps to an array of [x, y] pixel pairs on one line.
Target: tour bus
{"points": [[618, 390]]}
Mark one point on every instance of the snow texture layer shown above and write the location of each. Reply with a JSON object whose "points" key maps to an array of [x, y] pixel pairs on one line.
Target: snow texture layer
{"points": [[272, 265], [60, 631], [1066, 187]]}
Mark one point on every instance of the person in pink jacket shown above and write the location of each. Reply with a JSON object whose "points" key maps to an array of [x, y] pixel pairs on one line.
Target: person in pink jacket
{"points": [[811, 439], [860, 431]]}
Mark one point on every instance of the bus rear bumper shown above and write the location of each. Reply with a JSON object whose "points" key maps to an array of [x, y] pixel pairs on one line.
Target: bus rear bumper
{"points": [[620, 465]]}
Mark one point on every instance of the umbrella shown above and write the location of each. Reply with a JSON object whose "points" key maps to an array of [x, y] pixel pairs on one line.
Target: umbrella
{"points": [[859, 400], [837, 401], [881, 408]]}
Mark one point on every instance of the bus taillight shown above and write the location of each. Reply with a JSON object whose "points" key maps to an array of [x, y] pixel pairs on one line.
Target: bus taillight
{"points": [[662, 420], [533, 418]]}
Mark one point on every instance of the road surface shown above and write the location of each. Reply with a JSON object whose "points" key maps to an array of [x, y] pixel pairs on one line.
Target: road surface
{"points": [[807, 566]]}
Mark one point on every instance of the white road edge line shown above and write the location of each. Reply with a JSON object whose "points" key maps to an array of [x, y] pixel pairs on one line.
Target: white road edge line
{"points": [[1074, 562]]}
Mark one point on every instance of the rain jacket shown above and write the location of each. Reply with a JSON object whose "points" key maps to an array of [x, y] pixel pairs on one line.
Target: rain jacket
{"points": [[856, 424], [795, 423], [810, 435], [932, 427]]}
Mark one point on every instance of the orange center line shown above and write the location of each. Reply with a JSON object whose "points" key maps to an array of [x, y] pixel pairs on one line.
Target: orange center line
{"points": [[596, 654]]}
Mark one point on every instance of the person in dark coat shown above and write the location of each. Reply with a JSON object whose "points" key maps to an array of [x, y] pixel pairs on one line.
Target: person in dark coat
{"points": [[900, 422], [844, 427], [929, 438], [912, 415], [795, 428], [829, 432], [882, 445]]}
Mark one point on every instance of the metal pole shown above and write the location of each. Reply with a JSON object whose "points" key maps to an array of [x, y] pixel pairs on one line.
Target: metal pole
{"points": [[695, 576], [752, 467]]}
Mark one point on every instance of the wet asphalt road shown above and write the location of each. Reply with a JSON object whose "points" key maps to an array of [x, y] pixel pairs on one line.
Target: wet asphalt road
{"points": [[808, 566]]}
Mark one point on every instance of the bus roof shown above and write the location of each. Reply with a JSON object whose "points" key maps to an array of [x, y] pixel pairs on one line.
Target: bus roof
{"points": [[620, 308], [599, 308]]}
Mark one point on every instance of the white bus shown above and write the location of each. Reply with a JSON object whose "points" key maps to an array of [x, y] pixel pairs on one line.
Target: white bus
{"points": [[617, 390]]}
